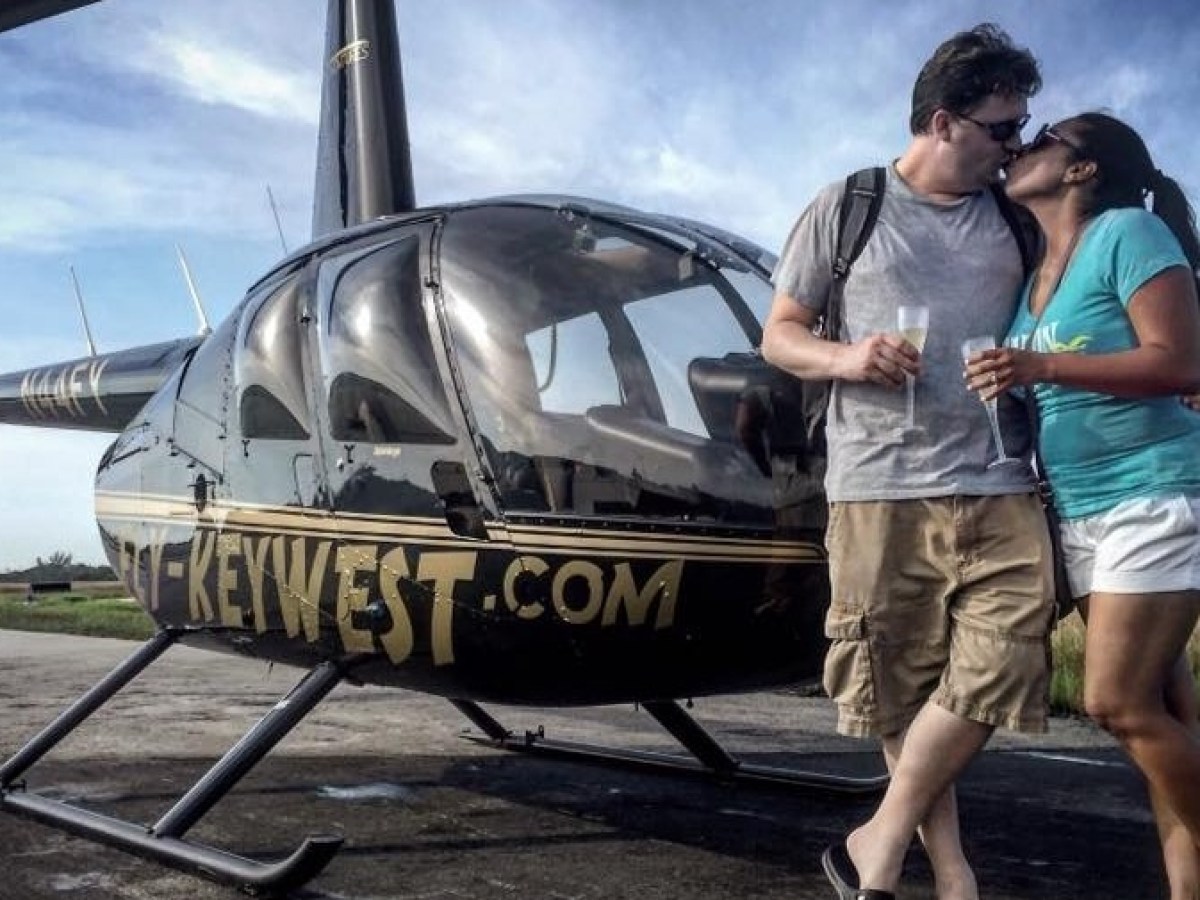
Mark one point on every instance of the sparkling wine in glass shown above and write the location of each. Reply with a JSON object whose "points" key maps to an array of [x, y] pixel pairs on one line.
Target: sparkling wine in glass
{"points": [[970, 347], [913, 325]]}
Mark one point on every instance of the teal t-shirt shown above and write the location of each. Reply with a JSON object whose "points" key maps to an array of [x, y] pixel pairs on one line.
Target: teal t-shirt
{"points": [[1100, 450]]}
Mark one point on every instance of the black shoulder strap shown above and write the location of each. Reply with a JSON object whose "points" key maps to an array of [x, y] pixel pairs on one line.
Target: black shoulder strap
{"points": [[861, 199], [860, 208], [1023, 226]]}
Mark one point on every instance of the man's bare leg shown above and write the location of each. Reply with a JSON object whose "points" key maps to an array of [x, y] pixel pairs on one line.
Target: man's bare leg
{"points": [[940, 834], [937, 748]]}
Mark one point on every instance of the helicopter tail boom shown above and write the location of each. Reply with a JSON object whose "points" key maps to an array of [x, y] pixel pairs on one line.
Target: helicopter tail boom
{"points": [[93, 393]]}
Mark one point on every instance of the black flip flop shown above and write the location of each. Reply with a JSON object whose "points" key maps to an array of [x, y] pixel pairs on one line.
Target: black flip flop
{"points": [[840, 871]]}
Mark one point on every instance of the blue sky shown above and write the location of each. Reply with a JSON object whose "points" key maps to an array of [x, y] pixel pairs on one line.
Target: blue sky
{"points": [[131, 126]]}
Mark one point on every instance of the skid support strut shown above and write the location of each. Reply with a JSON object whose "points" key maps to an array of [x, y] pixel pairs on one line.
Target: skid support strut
{"points": [[710, 758], [164, 842]]}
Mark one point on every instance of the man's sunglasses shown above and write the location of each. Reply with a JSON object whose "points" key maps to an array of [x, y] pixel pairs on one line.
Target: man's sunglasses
{"points": [[999, 131], [1046, 135]]}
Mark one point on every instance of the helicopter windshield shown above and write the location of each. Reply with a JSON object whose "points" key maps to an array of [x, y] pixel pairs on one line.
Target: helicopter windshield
{"points": [[579, 340]]}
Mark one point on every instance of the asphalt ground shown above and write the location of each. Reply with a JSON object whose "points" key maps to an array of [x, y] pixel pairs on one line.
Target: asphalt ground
{"points": [[429, 814]]}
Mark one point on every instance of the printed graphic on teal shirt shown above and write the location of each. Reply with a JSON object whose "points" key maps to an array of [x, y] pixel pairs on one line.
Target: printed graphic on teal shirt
{"points": [[1099, 449]]}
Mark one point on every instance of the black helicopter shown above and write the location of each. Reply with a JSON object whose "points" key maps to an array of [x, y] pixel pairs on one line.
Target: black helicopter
{"points": [[516, 450]]}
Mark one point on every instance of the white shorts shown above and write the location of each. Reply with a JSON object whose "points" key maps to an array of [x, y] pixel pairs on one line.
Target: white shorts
{"points": [[1148, 545]]}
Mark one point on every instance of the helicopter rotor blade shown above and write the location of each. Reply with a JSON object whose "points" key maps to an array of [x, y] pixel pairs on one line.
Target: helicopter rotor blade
{"points": [[16, 13]]}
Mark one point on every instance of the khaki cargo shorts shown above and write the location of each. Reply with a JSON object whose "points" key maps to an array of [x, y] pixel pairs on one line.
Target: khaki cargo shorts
{"points": [[947, 600]]}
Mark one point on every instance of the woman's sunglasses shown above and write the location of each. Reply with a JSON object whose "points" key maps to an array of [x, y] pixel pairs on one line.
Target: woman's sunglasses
{"points": [[1046, 135]]}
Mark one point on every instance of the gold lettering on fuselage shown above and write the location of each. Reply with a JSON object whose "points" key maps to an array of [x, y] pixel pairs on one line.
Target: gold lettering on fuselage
{"points": [[155, 552], [589, 578], [589, 575], [127, 567], [624, 592], [236, 579], [256, 569], [228, 547], [393, 569], [353, 597], [199, 603], [445, 570], [299, 584], [527, 567]]}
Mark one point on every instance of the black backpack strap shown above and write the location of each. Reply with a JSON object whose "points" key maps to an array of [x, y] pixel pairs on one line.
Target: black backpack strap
{"points": [[861, 199], [1023, 227], [856, 219]]}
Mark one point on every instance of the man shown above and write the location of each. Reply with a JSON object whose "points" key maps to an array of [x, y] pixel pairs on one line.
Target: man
{"points": [[939, 563]]}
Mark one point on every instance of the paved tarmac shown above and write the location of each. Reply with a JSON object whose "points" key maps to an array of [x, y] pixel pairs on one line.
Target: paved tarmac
{"points": [[428, 814]]}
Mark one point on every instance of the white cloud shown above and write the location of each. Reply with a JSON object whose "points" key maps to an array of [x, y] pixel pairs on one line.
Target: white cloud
{"points": [[167, 179], [1127, 87], [225, 76]]}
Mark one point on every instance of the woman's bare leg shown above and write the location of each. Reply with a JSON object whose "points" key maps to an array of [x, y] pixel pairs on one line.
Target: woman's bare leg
{"points": [[1181, 854], [1134, 643]]}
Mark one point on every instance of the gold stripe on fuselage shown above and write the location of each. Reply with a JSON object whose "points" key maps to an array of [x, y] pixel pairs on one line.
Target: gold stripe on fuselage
{"points": [[177, 511]]}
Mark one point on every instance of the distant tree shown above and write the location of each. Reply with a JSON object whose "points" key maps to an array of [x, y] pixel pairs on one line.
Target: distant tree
{"points": [[60, 566]]}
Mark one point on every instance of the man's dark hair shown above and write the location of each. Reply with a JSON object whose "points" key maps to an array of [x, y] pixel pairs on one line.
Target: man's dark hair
{"points": [[968, 68]]}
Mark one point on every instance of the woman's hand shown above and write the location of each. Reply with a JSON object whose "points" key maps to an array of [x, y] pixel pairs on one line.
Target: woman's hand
{"points": [[990, 373], [1191, 401]]}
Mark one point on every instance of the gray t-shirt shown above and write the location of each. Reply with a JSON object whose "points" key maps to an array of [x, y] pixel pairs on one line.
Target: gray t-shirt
{"points": [[961, 260]]}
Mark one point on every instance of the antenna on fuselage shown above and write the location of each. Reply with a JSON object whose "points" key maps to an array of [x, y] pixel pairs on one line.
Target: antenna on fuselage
{"points": [[278, 225], [87, 329], [205, 328]]}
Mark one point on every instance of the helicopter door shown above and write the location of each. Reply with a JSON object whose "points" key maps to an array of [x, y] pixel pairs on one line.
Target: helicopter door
{"points": [[277, 447], [385, 416]]}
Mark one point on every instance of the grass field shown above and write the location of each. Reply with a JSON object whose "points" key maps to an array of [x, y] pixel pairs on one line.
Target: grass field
{"points": [[76, 613]]}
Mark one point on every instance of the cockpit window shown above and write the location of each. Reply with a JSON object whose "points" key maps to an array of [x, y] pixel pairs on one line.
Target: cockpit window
{"points": [[673, 338], [576, 339], [572, 366]]}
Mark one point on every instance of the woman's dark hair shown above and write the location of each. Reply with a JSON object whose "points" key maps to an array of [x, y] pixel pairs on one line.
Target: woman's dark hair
{"points": [[968, 68], [1125, 174]]}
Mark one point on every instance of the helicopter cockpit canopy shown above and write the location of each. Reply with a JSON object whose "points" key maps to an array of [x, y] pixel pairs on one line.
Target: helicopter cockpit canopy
{"points": [[582, 338]]}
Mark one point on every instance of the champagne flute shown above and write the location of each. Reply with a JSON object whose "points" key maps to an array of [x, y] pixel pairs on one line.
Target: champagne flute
{"points": [[913, 324], [970, 347]]}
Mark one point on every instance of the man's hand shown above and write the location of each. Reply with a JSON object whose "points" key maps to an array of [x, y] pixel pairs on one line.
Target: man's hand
{"points": [[882, 359]]}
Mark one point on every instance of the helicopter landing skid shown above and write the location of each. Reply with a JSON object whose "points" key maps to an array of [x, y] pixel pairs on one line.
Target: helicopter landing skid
{"points": [[710, 758], [164, 841]]}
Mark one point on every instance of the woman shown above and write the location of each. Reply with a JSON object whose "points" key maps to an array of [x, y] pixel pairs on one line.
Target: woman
{"points": [[1108, 336]]}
